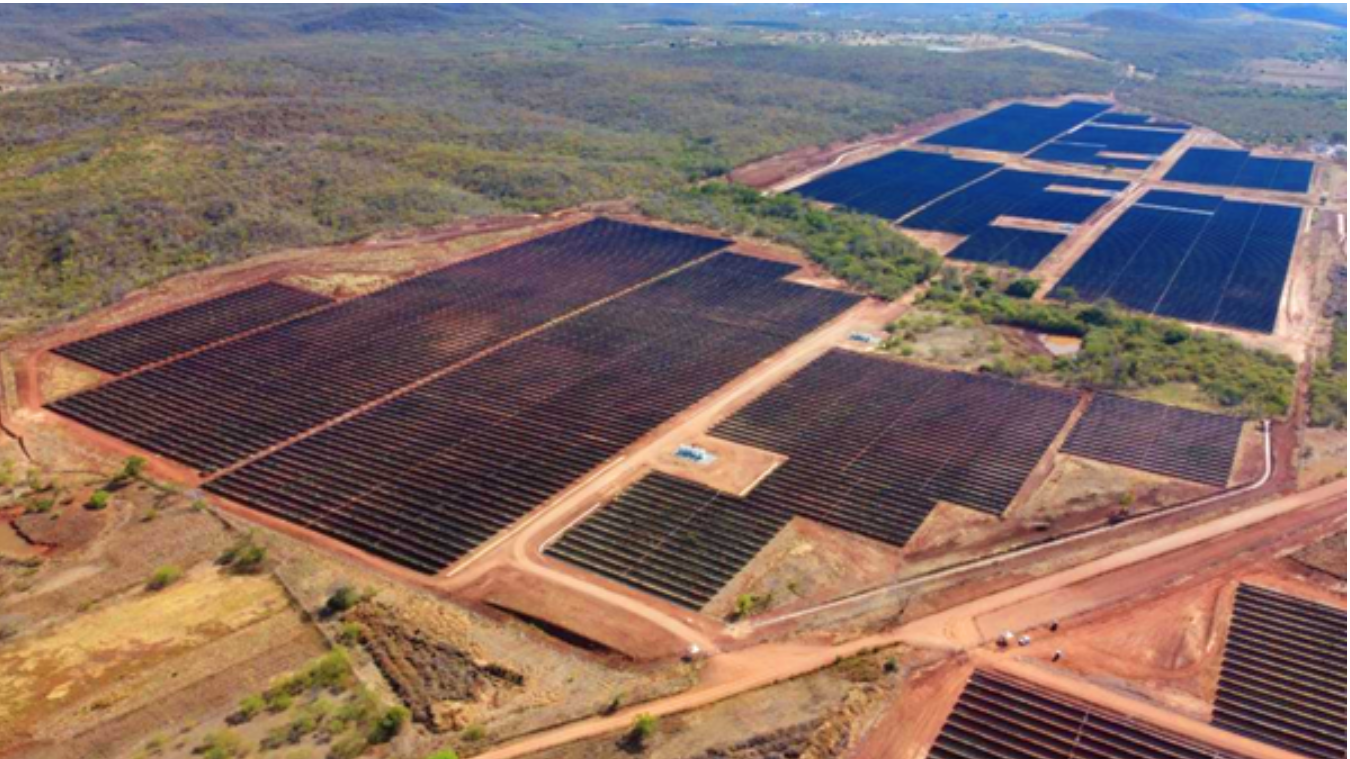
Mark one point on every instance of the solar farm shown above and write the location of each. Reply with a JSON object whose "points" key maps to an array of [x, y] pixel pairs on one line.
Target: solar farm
{"points": [[1122, 188], [651, 444]]}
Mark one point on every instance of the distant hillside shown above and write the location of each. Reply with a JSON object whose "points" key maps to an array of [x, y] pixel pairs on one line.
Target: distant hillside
{"points": [[1317, 13], [1133, 20]]}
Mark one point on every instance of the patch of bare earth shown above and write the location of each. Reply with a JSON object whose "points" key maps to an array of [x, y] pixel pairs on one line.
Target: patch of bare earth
{"points": [[805, 562]]}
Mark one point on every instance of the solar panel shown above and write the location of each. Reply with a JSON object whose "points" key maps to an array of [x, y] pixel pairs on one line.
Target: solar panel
{"points": [[1017, 128], [1193, 257], [895, 184], [1239, 168]]}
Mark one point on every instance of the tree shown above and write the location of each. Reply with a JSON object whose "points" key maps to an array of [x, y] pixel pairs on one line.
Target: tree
{"points": [[98, 500], [389, 725], [1023, 288]]}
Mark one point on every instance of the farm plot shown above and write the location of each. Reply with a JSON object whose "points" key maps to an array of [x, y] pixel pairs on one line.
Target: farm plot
{"points": [[1168, 255], [973, 210], [1166, 440], [1123, 147], [895, 184], [1017, 128], [872, 445], [1283, 675], [1239, 168], [156, 339], [428, 476], [215, 407], [999, 717]]}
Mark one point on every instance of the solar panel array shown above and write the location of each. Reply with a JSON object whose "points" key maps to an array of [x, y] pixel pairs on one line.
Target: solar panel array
{"points": [[1001, 717], [895, 184], [872, 444], [972, 211], [1239, 168], [162, 337], [1169, 256], [1118, 118], [1167, 440], [1283, 676], [1005, 246], [1017, 128], [1023, 194], [673, 538], [428, 476], [1097, 145], [223, 404]]}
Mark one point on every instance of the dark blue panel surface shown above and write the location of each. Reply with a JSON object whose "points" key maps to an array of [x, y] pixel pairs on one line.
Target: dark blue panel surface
{"points": [[1022, 248], [1086, 155], [1111, 140], [1139, 120], [1193, 257], [894, 184], [1239, 168], [1016, 128], [1011, 193]]}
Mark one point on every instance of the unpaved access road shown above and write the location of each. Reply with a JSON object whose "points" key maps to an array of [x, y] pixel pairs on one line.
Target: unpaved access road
{"points": [[1166, 559]]}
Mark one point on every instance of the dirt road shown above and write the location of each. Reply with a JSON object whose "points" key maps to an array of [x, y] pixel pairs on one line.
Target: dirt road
{"points": [[969, 625]]}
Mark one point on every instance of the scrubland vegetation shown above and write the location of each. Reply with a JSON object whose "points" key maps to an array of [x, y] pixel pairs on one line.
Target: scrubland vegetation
{"points": [[1122, 350]]}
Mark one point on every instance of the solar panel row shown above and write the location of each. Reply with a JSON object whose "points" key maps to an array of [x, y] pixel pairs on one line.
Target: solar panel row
{"points": [[1116, 118], [1000, 717], [895, 184], [1013, 193], [1167, 440], [218, 406], [872, 445], [1017, 128], [1087, 155], [1283, 675], [430, 475], [1239, 168], [1004, 246], [162, 337], [1223, 267]]}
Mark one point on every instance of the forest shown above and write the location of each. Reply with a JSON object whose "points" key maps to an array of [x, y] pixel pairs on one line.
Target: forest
{"points": [[172, 140]]}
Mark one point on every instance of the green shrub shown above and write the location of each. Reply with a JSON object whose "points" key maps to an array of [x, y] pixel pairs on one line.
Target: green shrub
{"points": [[474, 733], [751, 603], [342, 599], [1023, 288], [444, 753], [164, 577], [865, 252], [221, 744], [389, 725], [98, 500], [244, 557], [132, 469], [644, 727], [250, 707]]}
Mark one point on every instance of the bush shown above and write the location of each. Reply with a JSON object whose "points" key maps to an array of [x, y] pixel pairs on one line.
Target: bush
{"points": [[444, 753], [644, 727], [750, 603], [1023, 288], [164, 577], [249, 708], [474, 733], [342, 599], [389, 725], [221, 744], [98, 500], [132, 469], [244, 557]]}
